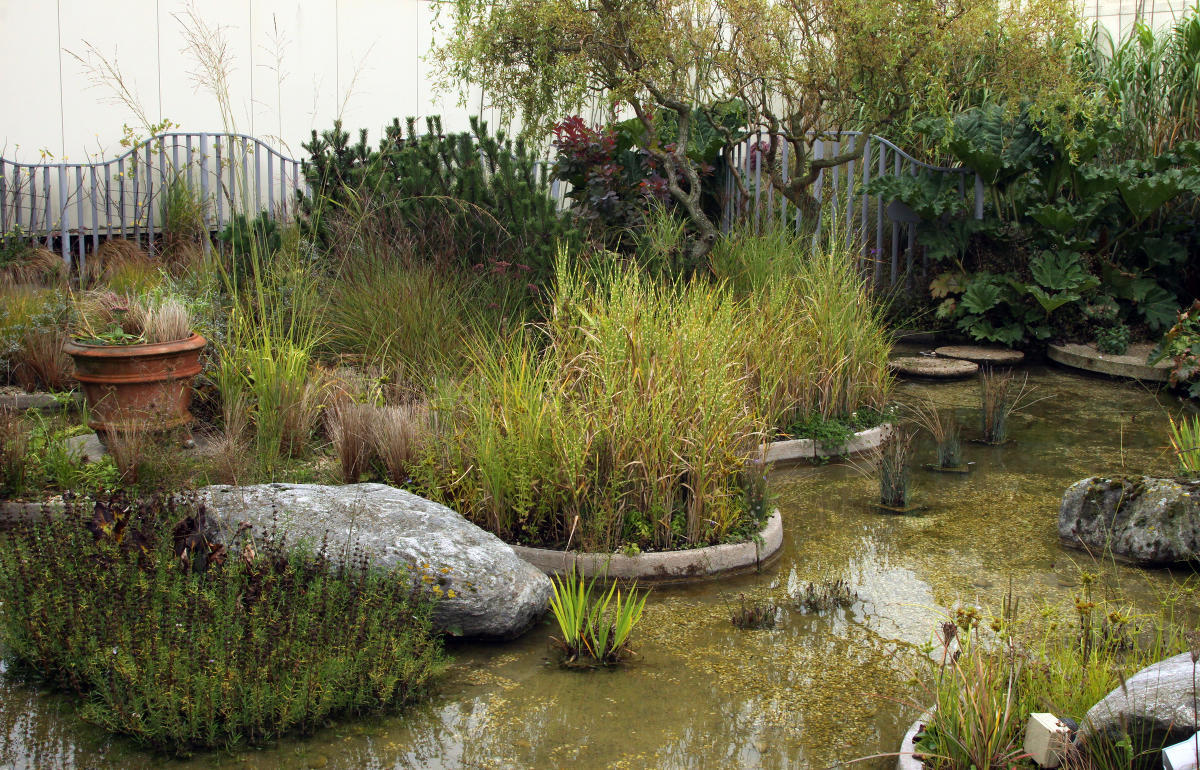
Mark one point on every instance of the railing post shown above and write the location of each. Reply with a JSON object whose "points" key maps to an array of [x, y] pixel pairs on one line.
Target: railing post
{"points": [[65, 245], [80, 237], [3, 200], [978, 197]]}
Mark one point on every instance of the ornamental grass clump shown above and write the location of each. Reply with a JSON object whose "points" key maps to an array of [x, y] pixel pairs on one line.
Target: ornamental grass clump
{"points": [[183, 644], [815, 343]]}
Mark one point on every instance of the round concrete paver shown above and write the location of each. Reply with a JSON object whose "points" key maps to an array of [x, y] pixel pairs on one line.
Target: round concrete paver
{"points": [[984, 356], [933, 367]]}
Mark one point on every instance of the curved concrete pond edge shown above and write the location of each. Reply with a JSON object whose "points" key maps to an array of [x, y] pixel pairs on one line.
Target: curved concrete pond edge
{"points": [[798, 450], [904, 758], [665, 566], [1089, 359]]}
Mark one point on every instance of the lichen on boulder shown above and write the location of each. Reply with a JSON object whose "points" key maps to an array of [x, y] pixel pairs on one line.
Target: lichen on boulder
{"points": [[486, 590], [1148, 521]]}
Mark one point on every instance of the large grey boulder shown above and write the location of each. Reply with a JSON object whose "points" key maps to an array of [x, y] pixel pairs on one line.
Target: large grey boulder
{"points": [[487, 591], [1138, 519], [1156, 707]]}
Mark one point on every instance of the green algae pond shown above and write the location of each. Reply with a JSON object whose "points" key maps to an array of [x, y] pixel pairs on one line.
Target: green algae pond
{"points": [[815, 691]]}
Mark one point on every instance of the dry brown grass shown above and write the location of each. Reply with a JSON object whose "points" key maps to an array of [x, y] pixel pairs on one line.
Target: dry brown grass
{"points": [[35, 267], [229, 452], [350, 428], [40, 361], [112, 256], [400, 433], [167, 321]]}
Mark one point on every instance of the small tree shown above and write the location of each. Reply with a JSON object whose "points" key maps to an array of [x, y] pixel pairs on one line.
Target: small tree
{"points": [[802, 67]]}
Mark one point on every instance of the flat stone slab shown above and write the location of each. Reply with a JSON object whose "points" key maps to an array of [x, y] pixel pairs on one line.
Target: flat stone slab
{"points": [[664, 566], [982, 355], [86, 448], [45, 402], [933, 367], [486, 590], [1132, 365], [800, 449]]}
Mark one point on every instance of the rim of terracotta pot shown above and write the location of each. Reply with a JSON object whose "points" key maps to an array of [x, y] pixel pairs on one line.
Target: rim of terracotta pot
{"points": [[77, 348]]}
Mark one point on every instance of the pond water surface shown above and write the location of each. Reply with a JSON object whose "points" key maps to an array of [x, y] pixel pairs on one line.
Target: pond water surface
{"points": [[813, 692]]}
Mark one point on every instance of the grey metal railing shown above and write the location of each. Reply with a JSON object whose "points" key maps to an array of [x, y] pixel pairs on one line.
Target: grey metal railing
{"points": [[888, 252], [66, 205]]}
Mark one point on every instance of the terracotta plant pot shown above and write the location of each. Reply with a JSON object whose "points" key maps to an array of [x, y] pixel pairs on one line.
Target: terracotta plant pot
{"points": [[137, 387]]}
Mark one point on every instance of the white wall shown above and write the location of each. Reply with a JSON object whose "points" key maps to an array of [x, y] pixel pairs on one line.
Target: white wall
{"points": [[297, 64]]}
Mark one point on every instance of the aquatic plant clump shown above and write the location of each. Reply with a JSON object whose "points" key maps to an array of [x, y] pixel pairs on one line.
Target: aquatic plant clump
{"points": [[1001, 396], [1185, 443], [594, 626], [824, 596], [758, 614], [894, 468], [943, 427], [182, 643]]}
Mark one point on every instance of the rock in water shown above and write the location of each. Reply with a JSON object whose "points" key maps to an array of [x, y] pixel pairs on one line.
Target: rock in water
{"points": [[487, 590], [1155, 706], [1143, 520]]}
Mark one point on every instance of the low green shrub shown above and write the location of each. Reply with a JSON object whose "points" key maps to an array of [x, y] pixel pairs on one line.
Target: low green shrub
{"points": [[184, 644], [1114, 339], [35, 458]]}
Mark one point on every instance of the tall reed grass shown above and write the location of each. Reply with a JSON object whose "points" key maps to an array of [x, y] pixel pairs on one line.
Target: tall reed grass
{"points": [[624, 419], [816, 342], [629, 415], [1152, 77]]}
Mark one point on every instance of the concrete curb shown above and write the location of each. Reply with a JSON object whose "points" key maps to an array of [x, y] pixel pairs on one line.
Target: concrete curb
{"points": [[904, 758], [1089, 359], [45, 402], [12, 512], [808, 449], [665, 566]]}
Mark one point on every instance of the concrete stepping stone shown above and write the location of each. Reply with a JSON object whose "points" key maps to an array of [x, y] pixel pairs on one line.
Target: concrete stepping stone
{"points": [[933, 367], [983, 355]]}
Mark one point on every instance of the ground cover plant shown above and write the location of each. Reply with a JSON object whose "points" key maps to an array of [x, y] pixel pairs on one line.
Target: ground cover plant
{"points": [[184, 644]]}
